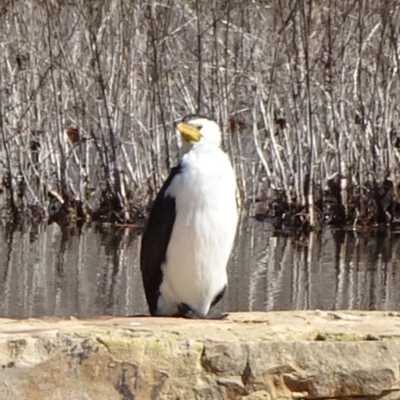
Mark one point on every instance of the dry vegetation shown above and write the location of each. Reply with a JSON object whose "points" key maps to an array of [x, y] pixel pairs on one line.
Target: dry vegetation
{"points": [[307, 93]]}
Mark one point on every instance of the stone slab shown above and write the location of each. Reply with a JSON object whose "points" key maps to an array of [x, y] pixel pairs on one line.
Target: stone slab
{"points": [[248, 356]]}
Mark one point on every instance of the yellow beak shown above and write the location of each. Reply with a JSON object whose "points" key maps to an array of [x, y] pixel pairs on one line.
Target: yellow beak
{"points": [[189, 133]]}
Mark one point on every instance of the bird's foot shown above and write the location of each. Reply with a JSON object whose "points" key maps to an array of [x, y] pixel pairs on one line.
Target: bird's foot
{"points": [[217, 316], [186, 311]]}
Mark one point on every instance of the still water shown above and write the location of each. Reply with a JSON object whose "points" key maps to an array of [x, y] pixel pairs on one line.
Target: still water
{"points": [[48, 272]]}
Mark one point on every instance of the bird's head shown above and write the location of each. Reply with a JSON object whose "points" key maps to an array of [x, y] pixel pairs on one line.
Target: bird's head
{"points": [[195, 129]]}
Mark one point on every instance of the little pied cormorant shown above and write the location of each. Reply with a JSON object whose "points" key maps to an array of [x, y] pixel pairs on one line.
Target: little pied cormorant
{"points": [[191, 227]]}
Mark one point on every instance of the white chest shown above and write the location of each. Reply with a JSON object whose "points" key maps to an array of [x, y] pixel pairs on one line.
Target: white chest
{"points": [[204, 230]]}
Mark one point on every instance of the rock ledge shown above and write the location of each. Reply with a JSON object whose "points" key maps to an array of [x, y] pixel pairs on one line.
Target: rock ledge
{"points": [[249, 356]]}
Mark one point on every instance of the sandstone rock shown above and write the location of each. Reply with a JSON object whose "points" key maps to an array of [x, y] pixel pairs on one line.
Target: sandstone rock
{"points": [[251, 356], [259, 395]]}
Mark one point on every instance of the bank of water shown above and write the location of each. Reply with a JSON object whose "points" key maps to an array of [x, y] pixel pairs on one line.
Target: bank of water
{"points": [[50, 272]]}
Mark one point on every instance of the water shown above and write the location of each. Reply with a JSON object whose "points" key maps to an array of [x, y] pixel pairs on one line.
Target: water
{"points": [[49, 272]]}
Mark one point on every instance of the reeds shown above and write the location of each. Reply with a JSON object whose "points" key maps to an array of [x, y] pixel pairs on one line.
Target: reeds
{"points": [[305, 91]]}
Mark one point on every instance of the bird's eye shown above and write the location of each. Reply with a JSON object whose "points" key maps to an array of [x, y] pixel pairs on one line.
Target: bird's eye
{"points": [[198, 127]]}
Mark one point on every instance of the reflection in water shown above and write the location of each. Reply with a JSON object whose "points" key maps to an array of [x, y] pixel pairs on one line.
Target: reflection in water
{"points": [[58, 273], [55, 272]]}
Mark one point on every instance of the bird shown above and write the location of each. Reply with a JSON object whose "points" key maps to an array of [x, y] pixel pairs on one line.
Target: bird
{"points": [[191, 227]]}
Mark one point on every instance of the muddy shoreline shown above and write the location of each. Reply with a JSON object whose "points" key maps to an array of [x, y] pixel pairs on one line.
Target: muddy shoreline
{"points": [[374, 205]]}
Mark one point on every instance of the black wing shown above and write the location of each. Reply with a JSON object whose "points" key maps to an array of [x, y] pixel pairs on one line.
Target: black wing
{"points": [[155, 241]]}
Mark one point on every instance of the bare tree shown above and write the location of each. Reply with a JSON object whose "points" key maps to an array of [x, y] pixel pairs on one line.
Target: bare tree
{"points": [[306, 92]]}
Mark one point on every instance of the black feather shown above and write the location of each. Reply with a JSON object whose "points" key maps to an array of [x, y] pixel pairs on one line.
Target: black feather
{"points": [[155, 241], [218, 297]]}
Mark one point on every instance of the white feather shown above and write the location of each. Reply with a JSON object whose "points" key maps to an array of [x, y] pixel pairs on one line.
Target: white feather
{"points": [[202, 238]]}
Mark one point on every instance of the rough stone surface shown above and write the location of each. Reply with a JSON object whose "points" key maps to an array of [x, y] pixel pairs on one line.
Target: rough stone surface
{"points": [[249, 356]]}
